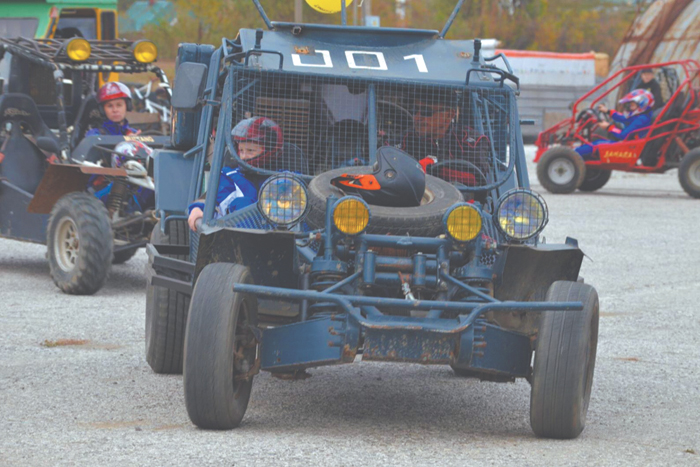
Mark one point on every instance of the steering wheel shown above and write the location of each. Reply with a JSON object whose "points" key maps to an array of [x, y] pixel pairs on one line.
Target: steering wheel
{"points": [[588, 120], [393, 120], [471, 169]]}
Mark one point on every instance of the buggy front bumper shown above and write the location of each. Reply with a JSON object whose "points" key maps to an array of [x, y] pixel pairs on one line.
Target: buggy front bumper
{"points": [[358, 326]]}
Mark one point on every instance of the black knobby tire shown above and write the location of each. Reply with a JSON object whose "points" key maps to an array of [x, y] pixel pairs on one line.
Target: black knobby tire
{"points": [[689, 173], [166, 310], [122, 256], [565, 355], [561, 170], [594, 179], [420, 221], [79, 242], [217, 329]]}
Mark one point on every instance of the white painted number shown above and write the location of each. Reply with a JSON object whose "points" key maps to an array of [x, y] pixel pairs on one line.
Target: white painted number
{"points": [[327, 62], [350, 57], [420, 62]]}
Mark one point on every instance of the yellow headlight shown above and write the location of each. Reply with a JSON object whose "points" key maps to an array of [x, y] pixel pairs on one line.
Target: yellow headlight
{"points": [[351, 215], [78, 49], [464, 223], [145, 51]]}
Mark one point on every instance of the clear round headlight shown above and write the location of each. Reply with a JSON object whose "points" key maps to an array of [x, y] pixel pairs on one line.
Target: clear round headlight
{"points": [[351, 215], [463, 222], [283, 199], [78, 49], [145, 51], [521, 214]]}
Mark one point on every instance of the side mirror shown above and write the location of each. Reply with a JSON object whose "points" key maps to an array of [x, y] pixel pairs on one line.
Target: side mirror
{"points": [[48, 144], [189, 86]]}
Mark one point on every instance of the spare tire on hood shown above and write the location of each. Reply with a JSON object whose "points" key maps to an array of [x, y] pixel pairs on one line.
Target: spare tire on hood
{"points": [[420, 221]]}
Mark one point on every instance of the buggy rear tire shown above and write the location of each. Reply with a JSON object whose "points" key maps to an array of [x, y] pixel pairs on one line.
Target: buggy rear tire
{"points": [[565, 355], [419, 221], [594, 179], [561, 170], [79, 244], [689, 173], [166, 310], [219, 347], [122, 256]]}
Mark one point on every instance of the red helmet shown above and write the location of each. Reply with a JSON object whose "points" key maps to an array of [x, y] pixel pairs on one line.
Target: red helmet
{"points": [[114, 90], [262, 131], [643, 98]]}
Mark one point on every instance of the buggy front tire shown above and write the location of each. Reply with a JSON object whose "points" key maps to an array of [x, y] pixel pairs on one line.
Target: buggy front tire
{"points": [[594, 179], [561, 170], [689, 173], [220, 348], [79, 244], [565, 354], [166, 310]]}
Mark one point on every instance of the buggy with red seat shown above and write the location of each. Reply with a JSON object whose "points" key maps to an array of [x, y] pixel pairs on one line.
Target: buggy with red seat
{"points": [[671, 141]]}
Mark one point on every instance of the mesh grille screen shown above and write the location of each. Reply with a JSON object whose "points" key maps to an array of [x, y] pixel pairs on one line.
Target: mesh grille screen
{"points": [[325, 123]]}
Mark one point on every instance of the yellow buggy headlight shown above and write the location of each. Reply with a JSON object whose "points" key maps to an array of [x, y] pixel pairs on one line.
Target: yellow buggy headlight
{"points": [[78, 49], [283, 199], [521, 214], [463, 222], [145, 51], [351, 215]]}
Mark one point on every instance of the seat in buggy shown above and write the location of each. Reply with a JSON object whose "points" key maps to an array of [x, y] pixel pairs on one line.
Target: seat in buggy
{"points": [[88, 117], [650, 154], [24, 163]]}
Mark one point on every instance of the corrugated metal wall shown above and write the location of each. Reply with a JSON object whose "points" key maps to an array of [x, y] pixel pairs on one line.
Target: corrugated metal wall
{"points": [[668, 30]]}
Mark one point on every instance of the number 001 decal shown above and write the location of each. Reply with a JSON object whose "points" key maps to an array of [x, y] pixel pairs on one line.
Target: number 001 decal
{"points": [[327, 62], [350, 58]]}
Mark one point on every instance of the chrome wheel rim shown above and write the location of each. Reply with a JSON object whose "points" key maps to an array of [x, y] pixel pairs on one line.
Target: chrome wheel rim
{"points": [[67, 244], [561, 171]]}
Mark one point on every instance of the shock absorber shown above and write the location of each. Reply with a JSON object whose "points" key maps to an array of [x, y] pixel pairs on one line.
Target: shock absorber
{"points": [[116, 195]]}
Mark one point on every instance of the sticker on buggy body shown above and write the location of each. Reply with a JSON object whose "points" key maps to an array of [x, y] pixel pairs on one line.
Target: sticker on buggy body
{"points": [[617, 156], [143, 139]]}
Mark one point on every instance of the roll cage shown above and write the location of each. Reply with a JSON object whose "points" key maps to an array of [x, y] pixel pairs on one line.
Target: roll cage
{"points": [[253, 78]]}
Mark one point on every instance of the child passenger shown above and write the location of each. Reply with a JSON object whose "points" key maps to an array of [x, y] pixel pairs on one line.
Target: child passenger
{"points": [[114, 100], [257, 140], [637, 106]]}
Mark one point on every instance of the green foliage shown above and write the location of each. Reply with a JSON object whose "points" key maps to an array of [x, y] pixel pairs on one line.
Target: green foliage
{"points": [[550, 25]]}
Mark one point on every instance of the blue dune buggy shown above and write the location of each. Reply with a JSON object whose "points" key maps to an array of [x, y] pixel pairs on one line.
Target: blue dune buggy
{"points": [[311, 276]]}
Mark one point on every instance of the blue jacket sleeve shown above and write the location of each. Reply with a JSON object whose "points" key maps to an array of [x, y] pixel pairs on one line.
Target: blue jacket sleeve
{"points": [[235, 192], [632, 124]]}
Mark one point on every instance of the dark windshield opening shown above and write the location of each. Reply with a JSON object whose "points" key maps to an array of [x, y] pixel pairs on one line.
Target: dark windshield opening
{"points": [[109, 29], [18, 27], [77, 23]]}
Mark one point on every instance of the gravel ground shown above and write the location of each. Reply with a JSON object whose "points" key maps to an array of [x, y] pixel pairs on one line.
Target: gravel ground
{"points": [[99, 403]]}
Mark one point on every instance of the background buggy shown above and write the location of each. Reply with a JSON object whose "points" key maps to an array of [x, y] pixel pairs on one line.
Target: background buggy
{"points": [[672, 140], [48, 165]]}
